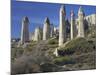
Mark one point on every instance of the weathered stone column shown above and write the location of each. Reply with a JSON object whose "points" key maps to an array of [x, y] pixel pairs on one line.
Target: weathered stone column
{"points": [[52, 31], [25, 30], [62, 26], [80, 22], [37, 34], [72, 30], [46, 29]]}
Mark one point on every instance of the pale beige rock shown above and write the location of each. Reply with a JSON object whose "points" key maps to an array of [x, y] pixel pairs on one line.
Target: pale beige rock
{"points": [[72, 30], [25, 30], [38, 34], [56, 52], [62, 26], [46, 29], [81, 23], [91, 19], [52, 31]]}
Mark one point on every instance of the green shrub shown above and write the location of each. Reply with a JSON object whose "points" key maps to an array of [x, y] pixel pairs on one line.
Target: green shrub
{"points": [[53, 46], [32, 43], [30, 46], [77, 46], [63, 60], [53, 41]]}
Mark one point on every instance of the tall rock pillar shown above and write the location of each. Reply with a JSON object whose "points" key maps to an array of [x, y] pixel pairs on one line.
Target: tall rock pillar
{"points": [[46, 29], [25, 30], [80, 22], [52, 31], [38, 34], [62, 26], [72, 30]]}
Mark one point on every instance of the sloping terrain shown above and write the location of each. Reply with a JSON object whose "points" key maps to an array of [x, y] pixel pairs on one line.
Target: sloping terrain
{"points": [[78, 54]]}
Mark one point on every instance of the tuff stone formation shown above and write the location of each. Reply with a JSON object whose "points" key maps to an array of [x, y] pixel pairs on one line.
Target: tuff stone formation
{"points": [[81, 23], [62, 26], [66, 31], [46, 29], [52, 31], [91, 19], [38, 34], [37, 55], [25, 30], [72, 30]]}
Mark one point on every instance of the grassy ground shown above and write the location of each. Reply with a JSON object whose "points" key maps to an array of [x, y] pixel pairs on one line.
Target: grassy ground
{"points": [[78, 54]]}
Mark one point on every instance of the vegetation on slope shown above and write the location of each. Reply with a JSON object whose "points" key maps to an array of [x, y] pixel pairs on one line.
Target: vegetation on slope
{"points": [[77, 54], [78, 45]]}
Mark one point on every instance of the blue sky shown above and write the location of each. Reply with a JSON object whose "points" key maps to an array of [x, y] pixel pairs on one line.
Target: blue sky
{"points": [[37, 12]]}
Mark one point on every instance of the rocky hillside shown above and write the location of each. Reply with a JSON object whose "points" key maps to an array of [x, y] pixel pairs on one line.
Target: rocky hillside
{"points": [[77, 54], [36, 57]]}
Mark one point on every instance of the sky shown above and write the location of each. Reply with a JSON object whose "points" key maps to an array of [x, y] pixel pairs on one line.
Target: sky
{"points": [[36, 12]]}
